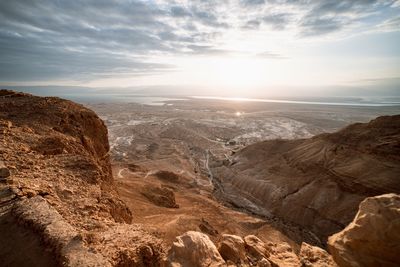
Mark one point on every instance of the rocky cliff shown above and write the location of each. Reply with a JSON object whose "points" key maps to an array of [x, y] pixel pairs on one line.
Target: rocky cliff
{"points": [[58, 203], [319, 182]]}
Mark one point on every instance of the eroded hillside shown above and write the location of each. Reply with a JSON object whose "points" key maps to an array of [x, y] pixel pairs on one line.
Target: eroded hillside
{"points": [[319, 182], [60, 197], [60, 204]]}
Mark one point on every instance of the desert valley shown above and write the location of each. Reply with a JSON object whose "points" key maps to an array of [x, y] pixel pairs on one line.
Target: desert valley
{"points": [[198, 182], [191, 146]]}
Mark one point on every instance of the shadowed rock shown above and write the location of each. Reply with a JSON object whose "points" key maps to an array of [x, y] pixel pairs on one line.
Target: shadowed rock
{"points": [[373, 237], [4, 171], [233, 248], [161, 196], [311, 256]]}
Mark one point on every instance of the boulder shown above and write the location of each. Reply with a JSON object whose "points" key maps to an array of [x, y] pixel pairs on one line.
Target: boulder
{"points": [[255, 247], [311, 256], [194, 249], [232, 248], [207, 228], [160, 196], [264, 263], [281, 254], [4, 171], [373, 237]]}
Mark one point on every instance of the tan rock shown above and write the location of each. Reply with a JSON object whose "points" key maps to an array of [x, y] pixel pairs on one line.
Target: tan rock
{"points": [[4, 171], [64, 240], [264, 263], [160, 196], [311, 256], [5, 125], [62, 191], [207, 228], [194, 249], [373, 237], [255, 247], [232, 248], [282, 254]]}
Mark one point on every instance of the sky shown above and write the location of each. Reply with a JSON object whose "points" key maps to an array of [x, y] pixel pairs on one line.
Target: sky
{"points": [[230, 48]]}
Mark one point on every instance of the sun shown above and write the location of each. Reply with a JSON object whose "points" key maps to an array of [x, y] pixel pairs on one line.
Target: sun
{"points": [[237, 73], [228, 76]]}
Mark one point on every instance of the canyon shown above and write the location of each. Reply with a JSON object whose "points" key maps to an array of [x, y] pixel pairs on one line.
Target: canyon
{"points": [[194, 183]]}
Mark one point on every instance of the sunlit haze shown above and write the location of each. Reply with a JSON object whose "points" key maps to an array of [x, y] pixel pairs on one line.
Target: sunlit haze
{"points": [[242, 48]]}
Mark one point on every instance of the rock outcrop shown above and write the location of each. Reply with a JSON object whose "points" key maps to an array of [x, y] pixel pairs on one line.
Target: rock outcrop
{"points": [[232, 248], [207, 228], [315, 183], [282, 254], [255, 248], [160, 195], [35, 213], [311, 256], [373, 237], [4, 171], [194, 249], [58, 194]]}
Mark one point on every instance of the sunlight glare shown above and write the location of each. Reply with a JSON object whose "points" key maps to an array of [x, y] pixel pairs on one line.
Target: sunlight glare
{"points": [[237, 73]]}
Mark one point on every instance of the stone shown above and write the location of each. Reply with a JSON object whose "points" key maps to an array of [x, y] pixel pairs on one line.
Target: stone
{"points": [[263, 263], [207, 228], [4, 171], [194, 249], [282, 254], [232, 248], [373, 237], [255, 247], [311, 256], [160, 196]]}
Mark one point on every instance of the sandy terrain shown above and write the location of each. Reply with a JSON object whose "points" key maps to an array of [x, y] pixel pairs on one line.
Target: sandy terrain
{"points": [[71, 201], [184, 137]]}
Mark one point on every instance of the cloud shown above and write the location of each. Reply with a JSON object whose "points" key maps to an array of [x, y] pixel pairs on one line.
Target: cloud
{"points": [[252, 24], [209, 50], [92, 38], [277, 21], [252, 2], [178, 11], [320, 26], [324, 17], [270, 55], [390, 25], [39, 61]]}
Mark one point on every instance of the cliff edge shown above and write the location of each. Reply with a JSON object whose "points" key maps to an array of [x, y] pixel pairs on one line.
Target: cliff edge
{"points": [[58, 202]]}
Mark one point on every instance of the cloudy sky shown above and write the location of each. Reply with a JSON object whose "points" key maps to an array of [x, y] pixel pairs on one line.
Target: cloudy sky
{"points": [[228, 47]]}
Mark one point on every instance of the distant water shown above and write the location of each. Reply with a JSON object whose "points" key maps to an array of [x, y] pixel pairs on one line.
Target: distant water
{"points": [[161, 100], [370, 102], [87, 95], [100, 98]]}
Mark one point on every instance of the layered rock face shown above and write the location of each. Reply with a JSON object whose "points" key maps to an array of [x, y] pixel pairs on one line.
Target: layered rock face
{"points": [[57, 192], [316, 183], [373, 237]]}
